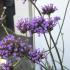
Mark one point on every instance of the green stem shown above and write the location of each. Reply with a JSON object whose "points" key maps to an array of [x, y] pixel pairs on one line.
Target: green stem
{"points": [[5, 29], [63, 48], [56, 51], [62, 26], [50, 52], [63, 21], [50, 32], [63, 65], [36, 7], [62, 43]]}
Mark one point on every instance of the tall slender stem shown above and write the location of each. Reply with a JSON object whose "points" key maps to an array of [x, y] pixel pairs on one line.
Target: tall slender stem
{"points": [[50, 52], [63, 21], [50, 32], [56, 51], [36, 7], [62, 43]]}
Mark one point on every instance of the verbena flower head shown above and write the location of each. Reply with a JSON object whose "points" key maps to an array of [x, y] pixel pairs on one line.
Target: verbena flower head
{"points": [[7, 46], [11, 46], [52, 23], [15, 47], [23, 25], [38, 25], [48, 9], [35, 55]]}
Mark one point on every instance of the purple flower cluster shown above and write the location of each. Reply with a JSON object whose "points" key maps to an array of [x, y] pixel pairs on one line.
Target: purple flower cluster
{"points": [[52, 23], [6, 46], [23, 25], [48, 9], [11, 46], [35, 55], [38, 25]]}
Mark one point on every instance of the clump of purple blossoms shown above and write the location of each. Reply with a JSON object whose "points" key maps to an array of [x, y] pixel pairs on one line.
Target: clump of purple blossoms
{"points": [[48, 9], [11, 46], [35, 55], [34, 25], [14, 47], [6, 46], [38, 25], [52, 23], [23, 25]]}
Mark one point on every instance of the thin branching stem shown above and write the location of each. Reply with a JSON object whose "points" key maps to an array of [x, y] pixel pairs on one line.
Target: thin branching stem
{"points": [[50, 52], [63, 65], [56, 51], [63, 21], [62, 43]]}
